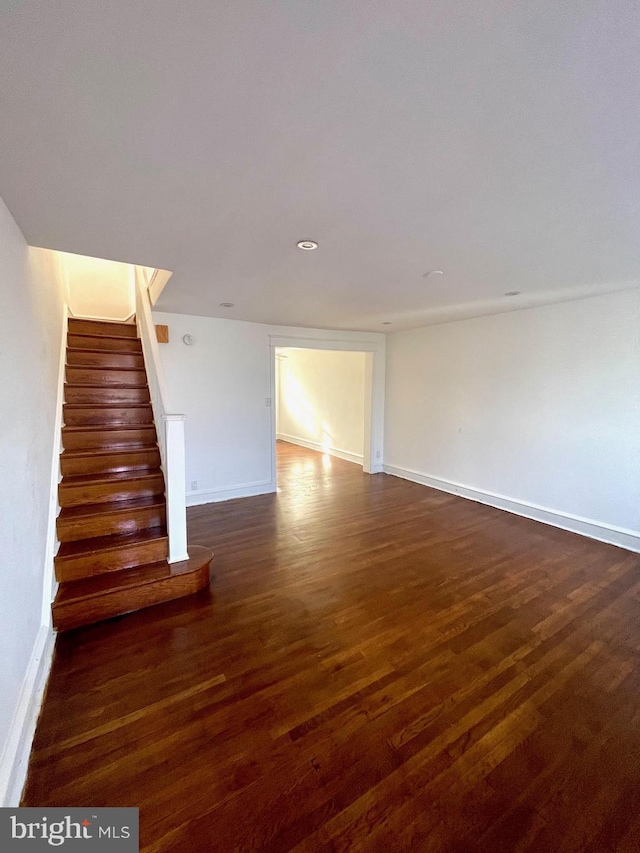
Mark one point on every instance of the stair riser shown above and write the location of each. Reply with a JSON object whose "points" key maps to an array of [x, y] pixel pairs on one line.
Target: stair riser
{"points": [[105, 492], [108, 439], [109, 463], [130, 521], [119, 602], [93, 327], [105, 344], [104, 376], [104, 562], [112, 415], [84, 396], [83, 358]]}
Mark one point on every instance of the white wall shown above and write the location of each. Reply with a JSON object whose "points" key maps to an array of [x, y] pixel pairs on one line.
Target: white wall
{"points": [[99, 288], [321, 400], [31, 326], [222, 385], [539, 406]]}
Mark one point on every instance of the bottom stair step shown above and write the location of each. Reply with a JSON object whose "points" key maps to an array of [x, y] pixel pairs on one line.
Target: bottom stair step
{"points": [[82, 602]]}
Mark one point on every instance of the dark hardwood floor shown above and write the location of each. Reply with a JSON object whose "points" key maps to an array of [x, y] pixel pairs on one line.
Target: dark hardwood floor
{"points": [[377, 667]]}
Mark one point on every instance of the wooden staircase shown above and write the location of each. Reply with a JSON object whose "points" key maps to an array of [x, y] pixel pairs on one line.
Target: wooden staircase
{"points": [[113, 549]]}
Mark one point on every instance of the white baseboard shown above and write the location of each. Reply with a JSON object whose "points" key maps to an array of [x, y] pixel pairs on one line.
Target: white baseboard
{"points": [[15, 757], [246, 490], [315, 445], [603, 532]]}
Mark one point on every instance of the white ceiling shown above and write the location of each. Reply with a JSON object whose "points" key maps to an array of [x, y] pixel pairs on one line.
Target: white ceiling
{"points": [[497, 141]]}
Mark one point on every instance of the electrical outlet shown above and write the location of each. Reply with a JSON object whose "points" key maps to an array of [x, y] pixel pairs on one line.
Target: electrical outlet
{"points": [[267, 401], [194, 485], [377, 454]]}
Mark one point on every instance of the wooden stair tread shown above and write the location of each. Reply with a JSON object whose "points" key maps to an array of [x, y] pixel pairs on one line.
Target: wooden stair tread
{"points": [[79, 375], [80, 547], [113, 448], [106, 360], [101, 368], [108, 460], [107, 413], [108, 488], [108, 451], [111, 477], [78, 325], [109, 436], [106, 427], [109, 405], [69, 513], [101, 337], [99, 351], [99, 385], [110, 395], [81, 590]]}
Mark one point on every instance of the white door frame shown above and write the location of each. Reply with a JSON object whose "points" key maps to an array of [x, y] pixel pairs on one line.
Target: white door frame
{"points": [[372, 452]]}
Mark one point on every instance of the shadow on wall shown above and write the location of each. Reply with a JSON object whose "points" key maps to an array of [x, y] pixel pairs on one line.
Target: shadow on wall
{"points": [[303, 414], [320, 399]]}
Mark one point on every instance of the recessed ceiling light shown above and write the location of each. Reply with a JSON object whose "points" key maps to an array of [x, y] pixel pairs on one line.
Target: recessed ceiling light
{"points": [[513, 293], [226, 304], [307, 245], [433, 272], [386, 323]]}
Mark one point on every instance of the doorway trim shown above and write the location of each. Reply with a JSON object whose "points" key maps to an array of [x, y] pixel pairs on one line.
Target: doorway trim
{"points": [[374, 385]]}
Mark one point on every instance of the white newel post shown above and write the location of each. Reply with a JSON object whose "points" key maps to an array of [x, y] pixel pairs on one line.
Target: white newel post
{"points": [[175, 487]]}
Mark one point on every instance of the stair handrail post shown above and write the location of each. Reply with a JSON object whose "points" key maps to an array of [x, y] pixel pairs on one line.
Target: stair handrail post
{"points": [[169, 426]]}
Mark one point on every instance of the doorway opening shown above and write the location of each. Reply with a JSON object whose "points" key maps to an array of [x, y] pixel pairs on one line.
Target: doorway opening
{"points": [[320, 401], [327, 395]]}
